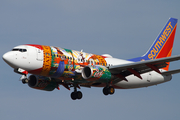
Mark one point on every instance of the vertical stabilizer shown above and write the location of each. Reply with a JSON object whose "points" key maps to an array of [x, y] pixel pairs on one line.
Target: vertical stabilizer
{"points": [[163, 44]]}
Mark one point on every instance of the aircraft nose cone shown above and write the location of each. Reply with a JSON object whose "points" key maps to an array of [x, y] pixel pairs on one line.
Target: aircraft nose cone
{"points": [[8, 58]]}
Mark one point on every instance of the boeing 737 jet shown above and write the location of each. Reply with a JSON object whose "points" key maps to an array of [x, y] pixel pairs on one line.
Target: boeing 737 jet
{"points": [[49, 67]]}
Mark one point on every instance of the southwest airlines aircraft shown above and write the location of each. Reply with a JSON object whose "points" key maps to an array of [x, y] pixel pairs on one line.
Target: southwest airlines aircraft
{"points": [[53, 66]]}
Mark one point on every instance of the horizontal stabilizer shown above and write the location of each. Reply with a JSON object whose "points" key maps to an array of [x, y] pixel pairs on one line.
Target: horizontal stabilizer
{"points": [[141, 64], [171, 72]]}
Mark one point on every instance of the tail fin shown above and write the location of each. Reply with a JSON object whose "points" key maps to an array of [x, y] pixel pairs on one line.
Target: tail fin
{"points": [[163, 44]]}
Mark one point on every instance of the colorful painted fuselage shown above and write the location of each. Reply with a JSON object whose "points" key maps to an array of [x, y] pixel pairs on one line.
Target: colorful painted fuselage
{"points": [[64, 64], [60, 63]]}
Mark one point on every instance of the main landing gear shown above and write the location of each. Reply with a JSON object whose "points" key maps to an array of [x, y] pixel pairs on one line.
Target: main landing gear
{"points": [[76, 94], [108, 90]]}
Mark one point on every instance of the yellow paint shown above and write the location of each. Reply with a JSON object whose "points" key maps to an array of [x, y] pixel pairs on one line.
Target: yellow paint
{"points": [[160, 42], [47, 61]]}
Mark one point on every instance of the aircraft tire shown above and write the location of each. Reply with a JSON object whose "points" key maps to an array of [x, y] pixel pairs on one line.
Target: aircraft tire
{"points": [[73, 95], [108, 90], [24, 81], [105, 91], [76, 95], [79, 95], [111, 90]]}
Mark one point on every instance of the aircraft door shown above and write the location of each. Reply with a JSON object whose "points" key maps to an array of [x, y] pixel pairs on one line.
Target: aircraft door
{"points": [[39, 54]]}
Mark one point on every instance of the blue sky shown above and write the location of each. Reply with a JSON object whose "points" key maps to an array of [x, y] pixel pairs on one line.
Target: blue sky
{"points": [[122, 28]]}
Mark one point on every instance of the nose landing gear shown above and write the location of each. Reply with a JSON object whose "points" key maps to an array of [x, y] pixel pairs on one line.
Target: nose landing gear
{"points": [[24, 79]]}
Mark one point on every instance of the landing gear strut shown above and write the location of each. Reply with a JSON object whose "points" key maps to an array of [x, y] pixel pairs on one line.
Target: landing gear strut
{"points": [[24, 79], [76, 94], [108, 90]]}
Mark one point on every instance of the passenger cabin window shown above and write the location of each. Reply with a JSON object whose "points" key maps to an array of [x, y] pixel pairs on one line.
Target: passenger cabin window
{"points": [[21, 50]]}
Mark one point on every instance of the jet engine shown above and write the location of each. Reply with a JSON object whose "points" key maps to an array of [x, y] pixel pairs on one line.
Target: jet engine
{"points": [[41, 83], [95, 72]]}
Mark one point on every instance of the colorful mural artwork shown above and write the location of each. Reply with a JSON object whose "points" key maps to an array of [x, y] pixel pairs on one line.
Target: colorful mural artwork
{"points": [[99, 73], [63, 63], [44, 83]]}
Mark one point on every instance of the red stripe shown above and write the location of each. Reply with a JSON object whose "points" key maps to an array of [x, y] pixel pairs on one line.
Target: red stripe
{"points": [[37, 46], [167, 48]]}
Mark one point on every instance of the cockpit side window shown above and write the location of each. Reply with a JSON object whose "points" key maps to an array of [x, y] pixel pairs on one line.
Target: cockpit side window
{"points": [[17, 49], [23, 50]]}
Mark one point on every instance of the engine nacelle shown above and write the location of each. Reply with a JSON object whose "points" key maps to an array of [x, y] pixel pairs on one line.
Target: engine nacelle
{"points": [[41, 83], [95, 72]]}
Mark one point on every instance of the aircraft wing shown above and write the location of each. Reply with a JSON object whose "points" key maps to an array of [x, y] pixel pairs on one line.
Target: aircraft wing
{"points": [[138, 68]]}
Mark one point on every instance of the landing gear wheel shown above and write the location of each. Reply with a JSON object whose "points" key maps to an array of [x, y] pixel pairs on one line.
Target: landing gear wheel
{"points": [[111, 90], [105, 91], [79, 95], [24, 81], [73, 95], [108, 90], [76, 95]]}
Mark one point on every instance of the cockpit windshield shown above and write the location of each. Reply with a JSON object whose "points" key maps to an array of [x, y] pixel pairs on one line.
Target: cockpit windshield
{"points": [[19, 49]]}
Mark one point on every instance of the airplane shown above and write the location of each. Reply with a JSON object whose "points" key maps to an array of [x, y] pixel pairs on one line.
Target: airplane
{"points": [[49, 66]]}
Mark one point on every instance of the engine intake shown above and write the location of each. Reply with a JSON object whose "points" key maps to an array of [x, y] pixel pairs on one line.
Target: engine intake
{"points": [[41, 83], [87, 72], [92, 73]]}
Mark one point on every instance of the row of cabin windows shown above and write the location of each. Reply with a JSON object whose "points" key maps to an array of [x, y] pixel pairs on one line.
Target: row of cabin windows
{"points": [[61, 56], [70, 58]]}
